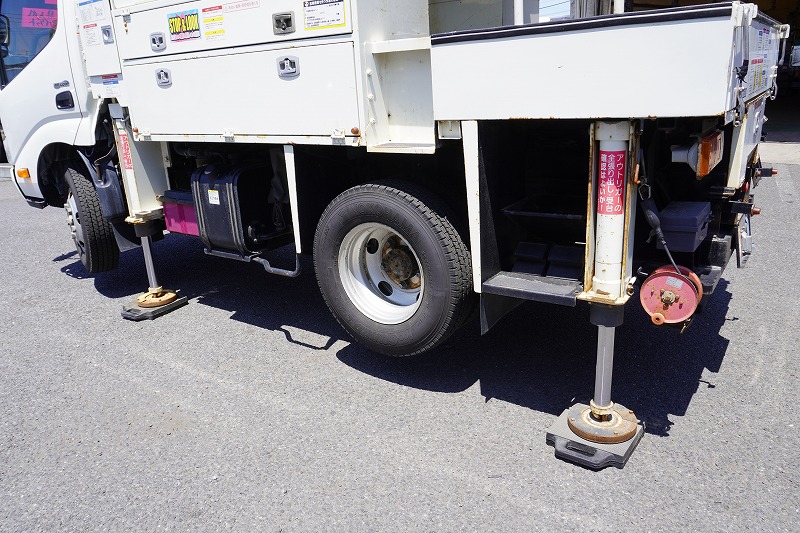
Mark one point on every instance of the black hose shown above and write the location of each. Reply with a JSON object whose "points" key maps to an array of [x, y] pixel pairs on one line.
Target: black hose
{"points": [[651, 214]]}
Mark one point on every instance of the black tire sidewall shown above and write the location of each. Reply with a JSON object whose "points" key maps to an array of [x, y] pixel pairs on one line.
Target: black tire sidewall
{"points": [[387, 208], [98, 236]]}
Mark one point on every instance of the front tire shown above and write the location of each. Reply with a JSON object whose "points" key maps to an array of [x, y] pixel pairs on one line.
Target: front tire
{"points": [[392, 268], [93, 236]]}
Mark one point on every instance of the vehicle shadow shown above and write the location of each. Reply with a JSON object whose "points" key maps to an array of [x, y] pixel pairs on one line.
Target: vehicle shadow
{"points": [[543, 358], [540, 356]]}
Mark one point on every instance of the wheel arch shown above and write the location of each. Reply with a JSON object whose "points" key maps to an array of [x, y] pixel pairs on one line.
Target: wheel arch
{"points": [[53, 161], [322, 173]]}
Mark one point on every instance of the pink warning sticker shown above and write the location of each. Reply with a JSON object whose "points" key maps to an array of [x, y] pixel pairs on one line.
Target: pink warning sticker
{"points": [[611, 183], [125, 148], [36, 17]]}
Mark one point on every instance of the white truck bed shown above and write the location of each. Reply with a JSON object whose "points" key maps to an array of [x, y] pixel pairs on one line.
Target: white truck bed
{"points": [[386, 89]]}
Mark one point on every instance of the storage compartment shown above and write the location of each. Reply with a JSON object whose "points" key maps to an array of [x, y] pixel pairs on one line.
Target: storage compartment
{"points": [[550, 217], [253, 93], [179, 212], [685, 225]]}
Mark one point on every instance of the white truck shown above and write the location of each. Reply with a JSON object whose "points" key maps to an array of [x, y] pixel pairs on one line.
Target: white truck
{"points": [[437, 158]]}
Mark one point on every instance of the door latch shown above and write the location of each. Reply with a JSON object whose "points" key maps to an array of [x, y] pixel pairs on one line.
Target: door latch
{"points": [[288, 67], [283, 23], [108, 35], [164, 78], [157, 42]]}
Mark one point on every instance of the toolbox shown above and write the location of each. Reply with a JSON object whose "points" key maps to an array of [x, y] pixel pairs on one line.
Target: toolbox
{"points": [[685, 225], [179, 212]]}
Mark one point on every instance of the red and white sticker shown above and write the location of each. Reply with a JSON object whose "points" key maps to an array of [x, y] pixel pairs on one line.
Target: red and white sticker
{"points": [[125, 148], [611, 183]]}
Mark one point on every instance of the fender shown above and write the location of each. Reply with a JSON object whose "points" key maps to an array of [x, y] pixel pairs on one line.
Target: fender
{"points": [[59, 131], [112, 198]]}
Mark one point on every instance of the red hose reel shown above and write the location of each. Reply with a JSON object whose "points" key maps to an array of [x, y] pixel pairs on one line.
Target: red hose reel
{"points": [[669, 297]]}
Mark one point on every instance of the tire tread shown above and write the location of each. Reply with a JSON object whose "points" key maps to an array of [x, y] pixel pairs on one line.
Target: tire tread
{"points": [[102, 252]]}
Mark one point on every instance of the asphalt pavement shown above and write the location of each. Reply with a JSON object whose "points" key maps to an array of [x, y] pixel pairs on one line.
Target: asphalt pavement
{"points": [[250, 409]]}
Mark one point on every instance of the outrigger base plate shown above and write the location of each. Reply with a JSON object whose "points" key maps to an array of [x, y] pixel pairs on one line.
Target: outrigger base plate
{"points": [[133, 311], [594, 455]]}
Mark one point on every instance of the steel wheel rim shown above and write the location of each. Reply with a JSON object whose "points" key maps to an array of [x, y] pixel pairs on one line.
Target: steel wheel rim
{"points": [[380, 273], [75, 226]]}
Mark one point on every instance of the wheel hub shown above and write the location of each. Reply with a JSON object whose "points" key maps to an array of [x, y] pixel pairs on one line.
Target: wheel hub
{"points": [[398, 265], [380, 273]]}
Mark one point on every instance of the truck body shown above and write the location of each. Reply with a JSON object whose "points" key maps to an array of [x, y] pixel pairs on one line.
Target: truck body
{"points": [[436, 158]]}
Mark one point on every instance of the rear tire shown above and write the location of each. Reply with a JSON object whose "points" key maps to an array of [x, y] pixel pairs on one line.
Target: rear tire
{"points": [[392, 268], [91, 231]]}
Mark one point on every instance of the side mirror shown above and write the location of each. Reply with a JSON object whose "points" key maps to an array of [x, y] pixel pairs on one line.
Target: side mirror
{"points": [[5, 31]]}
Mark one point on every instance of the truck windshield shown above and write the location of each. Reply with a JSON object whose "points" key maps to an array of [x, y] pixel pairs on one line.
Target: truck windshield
{"points": [[32, 24]]}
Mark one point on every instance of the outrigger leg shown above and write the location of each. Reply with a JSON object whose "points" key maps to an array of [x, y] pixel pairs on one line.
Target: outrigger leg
{"points": [[156, 301], [602, 433]]}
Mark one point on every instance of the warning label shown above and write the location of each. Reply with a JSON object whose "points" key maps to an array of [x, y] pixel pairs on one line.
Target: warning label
{"points": [[611, 182], [213, 23], [90, 10], [323, 14], [240, 6], [125, 148], [91, 35], [184, 25]]}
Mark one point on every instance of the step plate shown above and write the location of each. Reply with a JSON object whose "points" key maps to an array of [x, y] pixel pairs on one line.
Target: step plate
{"points": [[532, 287]]}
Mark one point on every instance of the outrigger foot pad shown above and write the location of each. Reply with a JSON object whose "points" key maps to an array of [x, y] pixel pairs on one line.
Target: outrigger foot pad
{"points": [[594, 455], [153, 304]]}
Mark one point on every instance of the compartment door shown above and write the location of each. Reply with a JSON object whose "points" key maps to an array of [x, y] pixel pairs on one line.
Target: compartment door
{"points": [[286, 91]]}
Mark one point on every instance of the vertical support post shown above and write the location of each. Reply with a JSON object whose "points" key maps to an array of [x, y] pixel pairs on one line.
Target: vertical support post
{"points": [[148, 263], [605, 367], [519, 12], [604, 433], [610, 205]]}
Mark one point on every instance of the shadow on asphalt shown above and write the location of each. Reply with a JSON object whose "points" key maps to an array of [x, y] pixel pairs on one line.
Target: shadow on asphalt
{"points": [[540, 356]]}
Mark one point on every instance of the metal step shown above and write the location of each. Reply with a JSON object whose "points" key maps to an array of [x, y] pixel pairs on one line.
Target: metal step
{"points": [[532, 287]]}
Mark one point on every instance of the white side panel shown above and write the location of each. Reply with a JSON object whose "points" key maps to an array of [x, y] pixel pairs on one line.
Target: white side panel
{"points": [[469, 131], [291, 179], [745, 139], [399, 96], [664, 69], [98, 40], [214, 24], [243, 94]]}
